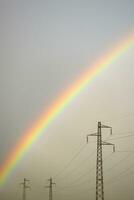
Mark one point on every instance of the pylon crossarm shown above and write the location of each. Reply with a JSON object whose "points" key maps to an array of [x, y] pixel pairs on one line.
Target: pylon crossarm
{"points": [[108, 143], [54, 184], [93, 134], [104, 126], [28, 187]]}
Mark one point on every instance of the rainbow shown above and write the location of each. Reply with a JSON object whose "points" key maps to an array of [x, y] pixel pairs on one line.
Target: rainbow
{"points": [[32, 135]]}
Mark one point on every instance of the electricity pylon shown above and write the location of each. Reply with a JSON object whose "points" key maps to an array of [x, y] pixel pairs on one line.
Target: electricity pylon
{"points": [[25, 187], [99, 161], [50, 188]]}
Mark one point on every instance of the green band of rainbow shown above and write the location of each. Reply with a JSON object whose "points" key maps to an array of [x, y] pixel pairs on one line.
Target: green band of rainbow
{"points": [[32, 135]]}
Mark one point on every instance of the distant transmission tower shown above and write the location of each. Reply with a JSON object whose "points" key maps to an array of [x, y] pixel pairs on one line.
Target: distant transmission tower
{"points": [[50, 188], [25, 187], [99, 161]]}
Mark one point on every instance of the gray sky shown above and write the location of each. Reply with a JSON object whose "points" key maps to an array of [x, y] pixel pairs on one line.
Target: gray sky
{"points": [[45, 46]]}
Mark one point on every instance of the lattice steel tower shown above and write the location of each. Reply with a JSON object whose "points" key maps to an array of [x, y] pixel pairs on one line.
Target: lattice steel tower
{"points": [[25, 187], [99, 161], [50, 188]]}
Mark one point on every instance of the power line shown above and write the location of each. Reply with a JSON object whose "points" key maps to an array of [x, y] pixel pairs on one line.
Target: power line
{"points": [[75, 190], [81, 175], [124, 132], [70, 162], [123, 173], [90, 170], [76, 167], [117, 163], [121, 137], [71, 186], [75, 182], [125, 151]]}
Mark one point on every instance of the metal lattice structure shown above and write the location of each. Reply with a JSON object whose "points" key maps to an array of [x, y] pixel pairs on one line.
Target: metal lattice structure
{"points": [[50, 188], [25, 187], [99, 161], [99, 167]]}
